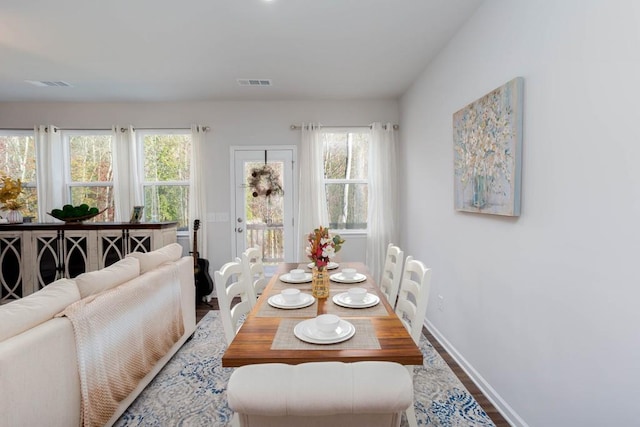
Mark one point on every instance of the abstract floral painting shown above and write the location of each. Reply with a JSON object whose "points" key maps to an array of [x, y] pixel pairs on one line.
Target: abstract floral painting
{"points": [[487, 141]]}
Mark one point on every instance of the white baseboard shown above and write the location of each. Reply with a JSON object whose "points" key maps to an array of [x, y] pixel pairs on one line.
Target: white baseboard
{"points": [[503, 407]]}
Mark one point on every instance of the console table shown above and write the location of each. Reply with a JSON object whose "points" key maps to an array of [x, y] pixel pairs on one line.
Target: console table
{"points": [[33, 255]]}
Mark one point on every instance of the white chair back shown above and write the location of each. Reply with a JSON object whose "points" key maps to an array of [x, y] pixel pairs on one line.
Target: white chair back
{"points": [[413, 297], [392, 273], [254, 269], [232, 283]]}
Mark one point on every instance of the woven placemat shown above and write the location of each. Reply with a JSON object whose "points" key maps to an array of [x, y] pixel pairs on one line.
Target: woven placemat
{"points": [[364, 338], [280, 285], [268, 311], [333, 308]]}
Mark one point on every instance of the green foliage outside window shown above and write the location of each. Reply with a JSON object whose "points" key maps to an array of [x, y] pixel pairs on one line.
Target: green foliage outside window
{"points": [[167, 157], [91, 164], [94, 196], [18, 161], [346, 172], [167, 203], [166, 173], [167, 166]]}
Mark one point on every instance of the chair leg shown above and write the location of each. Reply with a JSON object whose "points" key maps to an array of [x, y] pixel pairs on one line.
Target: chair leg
{"points": [[410, 412]]}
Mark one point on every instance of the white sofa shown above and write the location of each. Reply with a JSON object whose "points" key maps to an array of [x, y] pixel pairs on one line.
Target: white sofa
{"points": [[40, 383]]}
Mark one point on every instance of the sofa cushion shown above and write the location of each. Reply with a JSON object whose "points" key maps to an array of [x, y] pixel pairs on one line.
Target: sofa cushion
{"points": [[32, 310], [97, 281], [150, 260]]}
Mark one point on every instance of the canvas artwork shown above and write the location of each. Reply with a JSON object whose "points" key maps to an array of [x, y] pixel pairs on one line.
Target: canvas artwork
{"points": [[487, 140]]}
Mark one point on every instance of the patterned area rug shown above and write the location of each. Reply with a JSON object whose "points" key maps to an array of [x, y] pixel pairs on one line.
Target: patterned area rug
{"points": [[190, 390]]}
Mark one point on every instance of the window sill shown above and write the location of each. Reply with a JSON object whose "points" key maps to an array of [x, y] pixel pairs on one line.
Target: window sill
{"points": [[347, 232]]}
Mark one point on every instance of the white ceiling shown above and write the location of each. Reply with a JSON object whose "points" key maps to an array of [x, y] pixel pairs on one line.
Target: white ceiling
{"points": [[170, 50]]}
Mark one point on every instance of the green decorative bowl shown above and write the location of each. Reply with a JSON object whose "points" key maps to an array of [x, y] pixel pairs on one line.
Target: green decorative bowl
{"points": [[76, 218]]}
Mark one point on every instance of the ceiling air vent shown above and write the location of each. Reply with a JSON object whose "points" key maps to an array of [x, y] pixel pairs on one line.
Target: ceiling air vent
{"points": [[48, 83], [254, 82]]}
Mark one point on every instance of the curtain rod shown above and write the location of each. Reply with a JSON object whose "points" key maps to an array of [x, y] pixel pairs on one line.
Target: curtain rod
{"points": [[205, 128], [21, 129], [295, 127]]}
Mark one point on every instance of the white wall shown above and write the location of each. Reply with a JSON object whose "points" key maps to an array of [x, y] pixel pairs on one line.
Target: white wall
{"points": [[542, 308], [232, 123]]}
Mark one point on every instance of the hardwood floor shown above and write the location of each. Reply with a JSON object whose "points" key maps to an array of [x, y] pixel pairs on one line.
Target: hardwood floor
{"points": [[203, 308]]}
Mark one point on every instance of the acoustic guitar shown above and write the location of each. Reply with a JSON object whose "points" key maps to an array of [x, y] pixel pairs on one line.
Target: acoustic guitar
{"points": [[204, 282]]}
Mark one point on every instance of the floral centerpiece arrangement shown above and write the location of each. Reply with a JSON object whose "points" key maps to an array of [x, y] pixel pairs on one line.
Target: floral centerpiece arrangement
{"points": [[322, 247], [9, 192]]}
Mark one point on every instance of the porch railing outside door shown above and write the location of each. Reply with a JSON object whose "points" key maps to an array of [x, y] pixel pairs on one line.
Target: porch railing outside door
{"points": [[270, 238]]}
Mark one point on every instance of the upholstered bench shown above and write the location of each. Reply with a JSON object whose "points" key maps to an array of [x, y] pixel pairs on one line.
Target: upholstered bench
{"points": [[333, 394]]}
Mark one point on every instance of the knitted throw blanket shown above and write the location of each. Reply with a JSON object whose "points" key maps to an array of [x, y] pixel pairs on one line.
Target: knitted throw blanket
{"points": [[120, 335]]}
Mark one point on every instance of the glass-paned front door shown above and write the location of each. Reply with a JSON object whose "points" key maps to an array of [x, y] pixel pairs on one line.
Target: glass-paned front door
{"points": [[264, 203]]}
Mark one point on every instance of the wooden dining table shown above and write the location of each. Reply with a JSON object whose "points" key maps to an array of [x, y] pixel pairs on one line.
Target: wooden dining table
{"points": [[266, 335]]}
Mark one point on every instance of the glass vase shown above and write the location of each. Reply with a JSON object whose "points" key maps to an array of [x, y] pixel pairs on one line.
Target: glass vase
{"points": [[320, 283]]}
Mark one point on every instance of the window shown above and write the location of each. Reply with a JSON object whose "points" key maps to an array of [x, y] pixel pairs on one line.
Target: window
{"points": [[90, 170], [18, 161], [166, 161], [346, 158], [86, 166]]}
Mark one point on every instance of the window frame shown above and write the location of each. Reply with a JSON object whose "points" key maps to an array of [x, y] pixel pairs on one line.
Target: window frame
{"points": [[328, 181], [140, 135], [25, 133], [66, 147]]}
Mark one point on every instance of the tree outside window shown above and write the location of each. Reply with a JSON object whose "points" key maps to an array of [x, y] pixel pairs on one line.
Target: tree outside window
{"points": [[166, 159], [91, 171], [18, 161], [346, 156]]}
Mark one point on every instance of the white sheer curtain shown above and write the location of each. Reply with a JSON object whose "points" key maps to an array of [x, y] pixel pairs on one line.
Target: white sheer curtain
{"points": [[383, 201], [50, 184], [197, 196], [312, 199], [127, 191]]}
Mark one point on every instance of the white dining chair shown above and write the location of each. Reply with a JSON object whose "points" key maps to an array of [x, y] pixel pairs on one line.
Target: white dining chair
{"points": [[411, 308], [314, 394], [254, 269], [235, 296], [413, 296], [392, 273]]}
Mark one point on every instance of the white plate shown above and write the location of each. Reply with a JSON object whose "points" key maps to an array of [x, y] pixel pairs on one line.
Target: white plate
{"points": [[288, 279], [331, 266], [308, 332], [344, 300], [278, 301], [338, 277]]}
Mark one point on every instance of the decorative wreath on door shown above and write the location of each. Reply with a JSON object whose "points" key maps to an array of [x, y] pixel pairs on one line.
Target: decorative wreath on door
{"points": [[264, 181]]}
